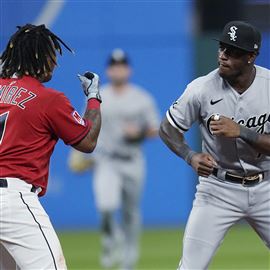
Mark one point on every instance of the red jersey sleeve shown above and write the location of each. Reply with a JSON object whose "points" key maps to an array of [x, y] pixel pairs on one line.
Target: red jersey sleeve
{"points": [[65, 122]]}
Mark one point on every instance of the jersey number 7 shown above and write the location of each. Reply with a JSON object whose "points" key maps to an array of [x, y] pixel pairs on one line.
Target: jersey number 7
{"points": [[3, 122]]}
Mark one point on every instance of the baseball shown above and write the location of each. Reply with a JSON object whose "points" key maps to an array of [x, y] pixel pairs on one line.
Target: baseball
{"points": [[216, 117]]}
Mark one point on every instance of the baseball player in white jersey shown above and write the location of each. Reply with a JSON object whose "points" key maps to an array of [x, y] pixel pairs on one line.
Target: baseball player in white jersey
{"points": [[231, 105], [129, 116]]}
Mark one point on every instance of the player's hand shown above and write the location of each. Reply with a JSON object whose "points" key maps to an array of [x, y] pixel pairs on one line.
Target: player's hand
{"points": [[203, 164], [225, 127], [90, 85], [78, 163], [133, 133]]}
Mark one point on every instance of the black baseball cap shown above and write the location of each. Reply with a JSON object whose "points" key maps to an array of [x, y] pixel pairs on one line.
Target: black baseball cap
{"points": [[241, 35], [118, 56]]}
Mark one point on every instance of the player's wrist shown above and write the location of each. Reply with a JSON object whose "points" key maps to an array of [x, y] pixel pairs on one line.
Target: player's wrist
{"points": [[189, 156], [186, 153], [95, 95], [93, 103], [248, 135]]}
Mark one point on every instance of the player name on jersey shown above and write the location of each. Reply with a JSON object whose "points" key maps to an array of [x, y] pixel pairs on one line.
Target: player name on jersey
{"points": [[12, 94]]}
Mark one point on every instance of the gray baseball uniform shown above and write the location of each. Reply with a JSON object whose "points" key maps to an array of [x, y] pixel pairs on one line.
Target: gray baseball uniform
{"points": [[220, 204], [119, 168]]}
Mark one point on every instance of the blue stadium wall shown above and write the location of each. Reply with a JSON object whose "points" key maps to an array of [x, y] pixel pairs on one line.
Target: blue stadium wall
{"points": [[158, 36]]}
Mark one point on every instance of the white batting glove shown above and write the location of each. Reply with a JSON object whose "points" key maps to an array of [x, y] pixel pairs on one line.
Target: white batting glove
{"points": [[90, 85]]}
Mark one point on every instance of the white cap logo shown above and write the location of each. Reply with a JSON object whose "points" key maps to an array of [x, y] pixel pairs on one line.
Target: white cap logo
{"points": [[232, 33]]}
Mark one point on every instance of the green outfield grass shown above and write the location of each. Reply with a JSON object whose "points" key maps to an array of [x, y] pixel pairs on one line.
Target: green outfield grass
{"points": [[161, 249]]}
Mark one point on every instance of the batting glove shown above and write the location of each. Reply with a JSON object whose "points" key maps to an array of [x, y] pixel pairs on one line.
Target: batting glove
{"points": [[90, 85]]}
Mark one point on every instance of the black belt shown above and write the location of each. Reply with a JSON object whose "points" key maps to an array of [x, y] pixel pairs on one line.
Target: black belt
{"points": [[4, 184], [243, 180]]}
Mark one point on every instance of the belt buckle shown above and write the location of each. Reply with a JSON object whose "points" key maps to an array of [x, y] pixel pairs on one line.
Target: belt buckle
{"points": [[246, 179]]}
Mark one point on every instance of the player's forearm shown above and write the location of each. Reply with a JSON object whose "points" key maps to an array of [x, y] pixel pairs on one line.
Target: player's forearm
{"points": [[93, 114], [175, 141], [90, 85], [261, 142]]}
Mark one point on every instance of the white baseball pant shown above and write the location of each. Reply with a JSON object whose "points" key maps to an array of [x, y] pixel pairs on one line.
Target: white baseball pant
{"points": [[26, 232], [218, 206]]}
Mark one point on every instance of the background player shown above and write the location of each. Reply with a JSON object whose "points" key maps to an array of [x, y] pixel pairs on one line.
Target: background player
{"points": [[129, 116], [235, 162], [32, 119]]}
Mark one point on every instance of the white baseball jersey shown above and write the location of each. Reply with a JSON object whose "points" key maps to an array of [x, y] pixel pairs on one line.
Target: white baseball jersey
{"points": [[134, 106], [117, 158], [211, 94]]}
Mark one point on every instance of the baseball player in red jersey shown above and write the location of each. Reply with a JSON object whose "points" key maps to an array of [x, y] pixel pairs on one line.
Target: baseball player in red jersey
{"points": [[32, 119]]}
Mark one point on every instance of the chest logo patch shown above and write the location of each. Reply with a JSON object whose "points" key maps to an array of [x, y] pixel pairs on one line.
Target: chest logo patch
{"points": [[213, 102]]}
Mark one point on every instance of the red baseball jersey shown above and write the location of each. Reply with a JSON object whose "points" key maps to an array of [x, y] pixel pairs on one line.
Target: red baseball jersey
{"points": [[32, 119]]}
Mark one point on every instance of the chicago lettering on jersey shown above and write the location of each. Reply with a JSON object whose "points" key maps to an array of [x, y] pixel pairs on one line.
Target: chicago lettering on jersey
{"points": [[252, 122], [12, 94], [256, 121]]}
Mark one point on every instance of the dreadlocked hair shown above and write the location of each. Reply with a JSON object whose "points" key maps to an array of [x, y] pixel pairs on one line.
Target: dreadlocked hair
{"points": [[31, 51]]}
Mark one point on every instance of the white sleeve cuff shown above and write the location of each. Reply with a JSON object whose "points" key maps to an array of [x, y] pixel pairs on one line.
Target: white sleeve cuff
{"points": [[174, 123]]}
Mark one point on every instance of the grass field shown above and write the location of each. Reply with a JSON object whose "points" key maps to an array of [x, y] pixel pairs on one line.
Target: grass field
{"points": [[161, 249]]}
